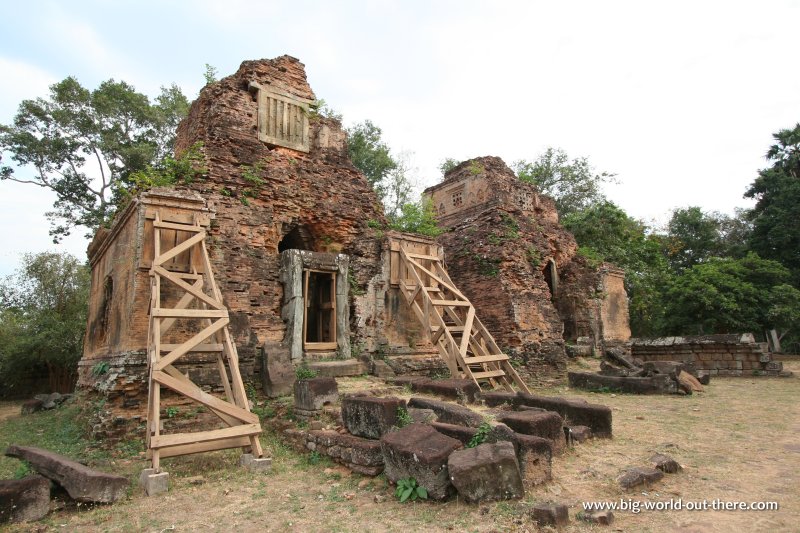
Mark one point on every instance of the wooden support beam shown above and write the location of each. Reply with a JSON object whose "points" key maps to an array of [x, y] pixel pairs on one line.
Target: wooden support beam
{"points": [[165, 441], [204, 398], [187, 346]]}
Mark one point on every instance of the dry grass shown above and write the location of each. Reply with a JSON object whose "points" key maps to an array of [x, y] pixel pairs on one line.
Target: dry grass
{"points": [[737, 441]]}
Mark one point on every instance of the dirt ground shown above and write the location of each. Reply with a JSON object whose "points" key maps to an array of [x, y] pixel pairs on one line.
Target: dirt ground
{"points": [[738, 441]]}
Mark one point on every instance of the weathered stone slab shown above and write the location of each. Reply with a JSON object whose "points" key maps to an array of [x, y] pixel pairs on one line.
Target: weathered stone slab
{"points": [[665, 463], [24, 500], [370, 416], [575, 411], [81, 482], [312, 394], [670, 368], [277, 370], [547, 425], [421, 452], [422, 416], [637, 475], [658, 384], [337, 369], [550, 514], [31, 406], [604, 518], [455, 389], [486, 472], [360, 455], [448, 413]]}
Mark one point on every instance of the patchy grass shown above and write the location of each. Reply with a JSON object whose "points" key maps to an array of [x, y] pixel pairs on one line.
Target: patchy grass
{"points": [[737, 441]]}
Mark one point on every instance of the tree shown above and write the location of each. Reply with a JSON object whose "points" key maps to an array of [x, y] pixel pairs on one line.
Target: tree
{"points": [[573, 184], [726, 295], [370, 154], [417, 217], [606, 233], [776, 215], [398, 187], [693, 237], [447, 165], [84, 145], [43, 319]]}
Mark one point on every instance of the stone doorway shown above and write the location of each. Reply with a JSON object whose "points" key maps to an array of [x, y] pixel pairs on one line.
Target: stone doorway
{"points": [[315, 303]]}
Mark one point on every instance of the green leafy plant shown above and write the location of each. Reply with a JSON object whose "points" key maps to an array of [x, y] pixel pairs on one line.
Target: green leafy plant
{"points": [[407, 489], [314, 458], [403, 418], [303, 372], [172, 411], [481, 436], [355, 290], [100, 369]]}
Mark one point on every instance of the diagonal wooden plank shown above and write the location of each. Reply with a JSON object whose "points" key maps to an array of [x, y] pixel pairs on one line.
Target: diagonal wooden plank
{"points": [[204, 398], [191, 343], [179, 249], [175, 373], [183, 303], [177, 439], [197, 293], [467, 331]]}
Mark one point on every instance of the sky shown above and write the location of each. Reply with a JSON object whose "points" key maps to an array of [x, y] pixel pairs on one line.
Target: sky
{"points": [[678, 99]]}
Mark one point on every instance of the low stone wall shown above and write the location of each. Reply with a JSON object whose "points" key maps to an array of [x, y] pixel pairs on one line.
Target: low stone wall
{"points": [[719, 355]]}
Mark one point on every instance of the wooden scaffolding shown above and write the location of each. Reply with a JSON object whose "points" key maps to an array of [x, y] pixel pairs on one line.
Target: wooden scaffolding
{"points": [[466, 346], [199, 307]]}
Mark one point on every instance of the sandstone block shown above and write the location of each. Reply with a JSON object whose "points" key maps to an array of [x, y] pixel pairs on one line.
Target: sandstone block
{"points": [[448, 413], [547, 425], [665, 463], [369, 416], [31, 406], [24, 500], [604, 518], [486, 472], [579, 433], [455, 389], [277, 370], [636, 476], [421, 452], [550, 514], [574, 411], [81, 482], [312, 394], [687, 380]]}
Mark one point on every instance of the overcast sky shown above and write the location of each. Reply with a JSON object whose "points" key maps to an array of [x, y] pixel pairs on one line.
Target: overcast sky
{"points": [[679, 99]]}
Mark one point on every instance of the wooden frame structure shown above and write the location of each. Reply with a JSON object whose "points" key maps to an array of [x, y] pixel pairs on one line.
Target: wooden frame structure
{"points": [[467, 348], [201, 303]]}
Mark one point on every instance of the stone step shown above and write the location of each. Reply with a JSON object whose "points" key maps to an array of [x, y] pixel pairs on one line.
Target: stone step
{"points": [[339, 368]]}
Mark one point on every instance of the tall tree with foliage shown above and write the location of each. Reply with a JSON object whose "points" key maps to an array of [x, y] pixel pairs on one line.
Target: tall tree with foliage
{"points": [[726, 295], [370, 154], [84, 145], [606, 233], [43, 319], [573, 183], [776, 215]]}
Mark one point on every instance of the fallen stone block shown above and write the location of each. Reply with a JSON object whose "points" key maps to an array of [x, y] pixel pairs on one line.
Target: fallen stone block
{"points": [[547, 425], [448, 413], [24, 500], [358, 454], [704, 378], [31, 406], [370, 416], [486, 472], [669, 368], [550, 514], [381, 369], [312, 394], [579, 433], [603, 518], [81, 482], [422, 416], [494, 399], [535, 457], [421, 452], [456, 389], [665, 463], [337, 369], [574, 411], [637, 475], [658, 384]]}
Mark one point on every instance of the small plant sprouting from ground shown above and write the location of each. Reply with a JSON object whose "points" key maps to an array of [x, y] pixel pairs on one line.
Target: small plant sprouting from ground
{"points": [[403, 418], [250, 391], [172, 411], [481, 436], [314, 458], [303, 372], [407, 489], [476, 168]]}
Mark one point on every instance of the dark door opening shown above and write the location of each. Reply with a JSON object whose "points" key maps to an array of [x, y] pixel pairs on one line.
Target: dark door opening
{"points": [[551, 278], [319, 324]]}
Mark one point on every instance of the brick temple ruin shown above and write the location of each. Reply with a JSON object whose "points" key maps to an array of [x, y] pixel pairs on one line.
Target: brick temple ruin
{"points": [[308, 274]]}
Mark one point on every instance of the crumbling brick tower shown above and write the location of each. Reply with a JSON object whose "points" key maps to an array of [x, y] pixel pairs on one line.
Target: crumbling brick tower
{"points": [[293, 243], [508, 253]]}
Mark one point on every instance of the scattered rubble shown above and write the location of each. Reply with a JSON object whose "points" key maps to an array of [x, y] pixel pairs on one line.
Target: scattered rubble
{"points": [[637, 475], [24, 500]]}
